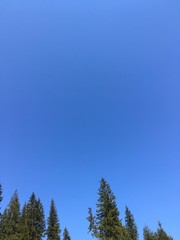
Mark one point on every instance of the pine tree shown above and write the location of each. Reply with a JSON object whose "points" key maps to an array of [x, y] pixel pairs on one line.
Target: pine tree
{"points": [[131, 225], [1, 198], [66, 235], [161, 234], [148, 234], [53, 229], [40, 219], [106, 223], [23, 224], [11, 219], [35, 218]]}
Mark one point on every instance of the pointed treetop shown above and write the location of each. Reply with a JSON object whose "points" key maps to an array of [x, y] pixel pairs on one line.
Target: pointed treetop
{"points": [[53, 229], [66, 235], [131, 225]]}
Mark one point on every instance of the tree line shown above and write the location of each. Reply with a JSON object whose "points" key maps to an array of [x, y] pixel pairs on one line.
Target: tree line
{"points": [[30, 224]]}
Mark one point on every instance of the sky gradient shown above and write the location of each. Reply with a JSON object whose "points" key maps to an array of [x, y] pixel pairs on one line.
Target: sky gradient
{"points": [[91, 89]]}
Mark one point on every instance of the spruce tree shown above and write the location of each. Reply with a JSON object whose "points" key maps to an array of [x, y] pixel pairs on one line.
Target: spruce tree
{"points": [[23, 224], [106, 225], [148, 234], [53, 229], [35, 218], [1, 198], [11, 219], [131, 225], [40, 219], [66, 235], [161, 234]]}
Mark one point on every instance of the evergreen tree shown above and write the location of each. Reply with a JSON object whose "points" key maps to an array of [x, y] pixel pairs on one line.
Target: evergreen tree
{"points": [[148, 234], [66, 235], [161, 234], [131, 225], [1, 198], [11, 219], [106, 223], [53, 229], [35, 220], [23, 224]]}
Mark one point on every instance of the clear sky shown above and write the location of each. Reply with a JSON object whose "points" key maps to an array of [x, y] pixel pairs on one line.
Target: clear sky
{"points": [[91, 89]]}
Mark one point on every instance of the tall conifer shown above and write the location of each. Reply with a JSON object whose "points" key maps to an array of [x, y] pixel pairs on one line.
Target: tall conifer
{"points": [[106, 225], [131, 225], [35, 218], [11, 219], [53, 229]]}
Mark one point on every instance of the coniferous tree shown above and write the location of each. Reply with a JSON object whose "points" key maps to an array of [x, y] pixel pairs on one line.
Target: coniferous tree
{"points": [[66, 235], [40, 219], [1, 198], [131, 225], [106, 223], [11, 219], [53, 229], [23, 224], [148, 234], [35, 218], [161, 234]]}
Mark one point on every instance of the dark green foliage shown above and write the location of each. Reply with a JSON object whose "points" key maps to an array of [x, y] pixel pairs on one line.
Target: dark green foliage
{"points": [[148, 234], [29, 224], [53, 230], [1, 198], [23, 224], [131, 225], [34, 219], [106, 223], [160, 234], [66, 235], [11, 219]]}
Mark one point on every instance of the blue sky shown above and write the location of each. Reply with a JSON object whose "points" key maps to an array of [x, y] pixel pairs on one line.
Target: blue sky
{"points": [[90, 89]]}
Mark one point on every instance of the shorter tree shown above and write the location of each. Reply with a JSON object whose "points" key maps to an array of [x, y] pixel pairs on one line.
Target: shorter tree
{"points": [[161, 234], [66, 235], [131, 225], [148, 234], [1, 198]]}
